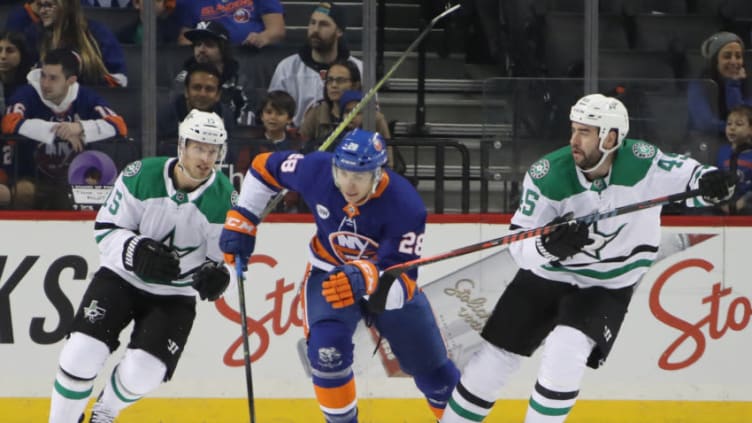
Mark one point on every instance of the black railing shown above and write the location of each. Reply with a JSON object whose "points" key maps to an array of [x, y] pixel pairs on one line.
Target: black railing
{"points": [[437, 171]]}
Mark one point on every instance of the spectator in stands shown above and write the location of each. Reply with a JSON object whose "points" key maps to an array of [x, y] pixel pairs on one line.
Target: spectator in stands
{"points": [[739, 136], [255, 24], [201, 91], [63, 25], [23, 16], [277, 110], [15, 63], [321, 119], [724, 53], [303, 74], [168, 27], [211, 45], [61, 117]]}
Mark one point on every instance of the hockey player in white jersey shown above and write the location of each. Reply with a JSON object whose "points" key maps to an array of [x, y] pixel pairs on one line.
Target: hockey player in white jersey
{"points": [[158, 237], [574, 285]]}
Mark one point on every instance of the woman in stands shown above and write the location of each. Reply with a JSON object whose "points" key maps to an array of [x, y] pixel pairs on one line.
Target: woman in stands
{"points": [[320, 120], [63, 24], [15, 62], [709, 106]]}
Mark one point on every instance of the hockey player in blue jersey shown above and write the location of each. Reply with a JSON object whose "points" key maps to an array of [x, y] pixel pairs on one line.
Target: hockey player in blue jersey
{"points": [[367, 219]]}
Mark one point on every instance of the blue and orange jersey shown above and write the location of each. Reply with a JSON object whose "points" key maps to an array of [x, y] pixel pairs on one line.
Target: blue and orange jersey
{"points": [[387, 229]]}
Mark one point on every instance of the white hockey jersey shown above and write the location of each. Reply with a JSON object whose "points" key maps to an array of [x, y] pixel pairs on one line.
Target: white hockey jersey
{"points": [[144, 201], [624, 246]]}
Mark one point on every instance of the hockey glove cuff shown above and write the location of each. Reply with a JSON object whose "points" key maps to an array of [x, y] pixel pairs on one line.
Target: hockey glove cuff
{"points": [[150, 260], [350, 282], [211, 280], [238, 235]]}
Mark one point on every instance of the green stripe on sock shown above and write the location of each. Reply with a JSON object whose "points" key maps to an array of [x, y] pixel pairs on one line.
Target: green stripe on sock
{"points": [[117, 391], [74, 395], [548, 411], [464, 413]]}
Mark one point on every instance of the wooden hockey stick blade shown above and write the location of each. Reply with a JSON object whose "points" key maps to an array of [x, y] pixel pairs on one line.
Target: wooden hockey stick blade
{"points": [[377, 300]]}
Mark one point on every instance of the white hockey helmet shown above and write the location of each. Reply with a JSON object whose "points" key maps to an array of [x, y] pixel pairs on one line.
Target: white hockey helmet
{"points": [[606, 113], [205, 127]]}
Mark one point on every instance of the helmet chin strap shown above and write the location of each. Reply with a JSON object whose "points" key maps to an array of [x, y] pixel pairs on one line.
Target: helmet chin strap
{"points": [[604, 155], [187, 174]]}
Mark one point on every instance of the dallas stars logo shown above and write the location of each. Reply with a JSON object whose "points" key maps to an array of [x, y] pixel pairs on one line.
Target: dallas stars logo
{"points": [[643, 150], [169, 241], [539, 169], [600, 241]]}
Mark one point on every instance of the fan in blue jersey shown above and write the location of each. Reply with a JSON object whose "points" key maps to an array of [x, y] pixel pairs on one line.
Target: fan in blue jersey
{"points": [[367, 219], [157, 236]]}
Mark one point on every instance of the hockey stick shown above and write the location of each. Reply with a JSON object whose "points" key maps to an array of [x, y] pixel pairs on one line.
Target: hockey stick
{"points": [[377, 300], [366, 98], [246, 346]]}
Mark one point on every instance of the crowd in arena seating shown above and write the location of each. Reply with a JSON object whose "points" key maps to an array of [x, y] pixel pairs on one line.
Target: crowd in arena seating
{"points": [[208, 78], [276, 94]]}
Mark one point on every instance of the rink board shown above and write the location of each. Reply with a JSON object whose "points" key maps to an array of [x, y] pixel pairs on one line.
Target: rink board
{"points": [[682, 354]]}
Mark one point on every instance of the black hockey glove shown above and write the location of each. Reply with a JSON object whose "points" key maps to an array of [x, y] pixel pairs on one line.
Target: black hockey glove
{"points": [[565, 241], [211, 280], [717, 186], [151, 260]]}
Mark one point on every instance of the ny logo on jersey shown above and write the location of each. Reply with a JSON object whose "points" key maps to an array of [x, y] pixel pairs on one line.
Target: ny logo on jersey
{"points": [[349, 246], [172, 346], [93, 312], [330, 357]]}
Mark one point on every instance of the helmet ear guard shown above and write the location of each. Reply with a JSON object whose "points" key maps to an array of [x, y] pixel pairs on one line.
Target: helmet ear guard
{"points": [[203, 127]]}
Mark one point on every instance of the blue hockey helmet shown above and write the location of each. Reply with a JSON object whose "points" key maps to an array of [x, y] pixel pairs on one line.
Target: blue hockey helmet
{"points": [[360, 151]]}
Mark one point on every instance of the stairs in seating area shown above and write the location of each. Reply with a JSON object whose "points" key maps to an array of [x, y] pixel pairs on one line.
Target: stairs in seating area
{"points": [[454, 103]]}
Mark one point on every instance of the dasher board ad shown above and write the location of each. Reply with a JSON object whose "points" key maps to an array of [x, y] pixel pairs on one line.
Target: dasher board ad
{"points": [[686, 336]]}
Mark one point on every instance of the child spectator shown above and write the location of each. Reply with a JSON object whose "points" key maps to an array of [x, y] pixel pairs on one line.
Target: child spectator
{"points": [[277, 110], [739, 136], [724, 53], [255, 24], [63, 25]]}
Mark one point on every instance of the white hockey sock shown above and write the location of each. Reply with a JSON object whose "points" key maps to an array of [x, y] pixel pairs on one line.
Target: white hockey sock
{"points": [[80, 360], [137, 374], [480, 385], [565, 355], [69, 397]]}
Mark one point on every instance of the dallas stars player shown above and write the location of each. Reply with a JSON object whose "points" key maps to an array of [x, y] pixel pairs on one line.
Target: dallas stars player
{"points": [[574, 285], [158, 238]]}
